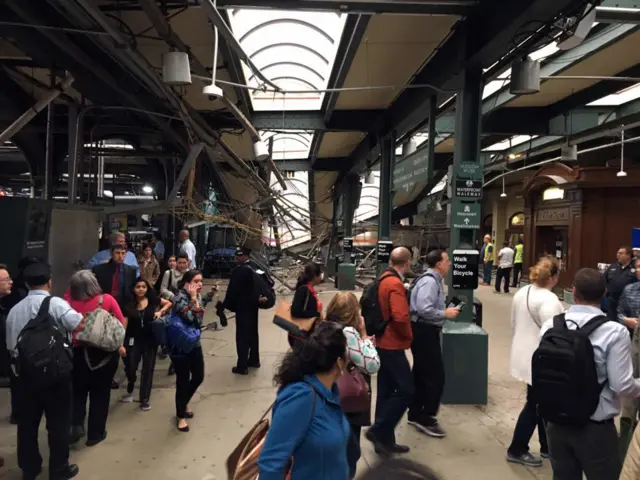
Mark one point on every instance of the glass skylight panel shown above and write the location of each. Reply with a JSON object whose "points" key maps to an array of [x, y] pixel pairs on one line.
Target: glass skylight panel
{"points": [[288, 144], [294, 50], [619, 98], [508, 143]]}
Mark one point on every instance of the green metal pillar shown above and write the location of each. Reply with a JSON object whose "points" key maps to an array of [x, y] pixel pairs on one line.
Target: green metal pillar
{"points": [[464, 344], [350, 191], [385, 201]]}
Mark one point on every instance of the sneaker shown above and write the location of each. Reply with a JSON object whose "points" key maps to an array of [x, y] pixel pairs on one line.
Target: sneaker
{"points": [[145, 407], [526, 459], [126, 398], [545, 455]]}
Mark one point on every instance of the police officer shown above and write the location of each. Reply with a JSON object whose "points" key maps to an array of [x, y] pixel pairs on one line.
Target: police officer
{"points": [[240, 299], [618, 276]]}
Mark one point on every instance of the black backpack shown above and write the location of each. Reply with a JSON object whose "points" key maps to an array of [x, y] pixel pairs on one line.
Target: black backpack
{"points": [[564, 376], [370, 306], [44, 352], [264, 286]]}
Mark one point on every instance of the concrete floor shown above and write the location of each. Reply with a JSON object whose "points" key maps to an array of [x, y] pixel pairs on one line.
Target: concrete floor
{"points": [[146, 445]]}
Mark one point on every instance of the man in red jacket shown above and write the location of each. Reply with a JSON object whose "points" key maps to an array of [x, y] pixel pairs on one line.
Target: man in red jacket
{"points": [[395, 383]]}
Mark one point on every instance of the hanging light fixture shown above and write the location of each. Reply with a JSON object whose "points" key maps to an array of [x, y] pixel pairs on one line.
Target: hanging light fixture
{"points": [[176, 70], [503, 194], [213, 91], [622, 173], [370, 178], [525, 77], [260, 150]]}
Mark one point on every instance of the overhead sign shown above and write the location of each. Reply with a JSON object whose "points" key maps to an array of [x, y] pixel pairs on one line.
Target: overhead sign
{"points": [[470, 171], [411, 170], [464, 274], [468, 188], [465, 215], [383, 253]]}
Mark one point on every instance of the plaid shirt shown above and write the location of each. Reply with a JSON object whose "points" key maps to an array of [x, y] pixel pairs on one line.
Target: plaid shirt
{"points": [[629, 305]]}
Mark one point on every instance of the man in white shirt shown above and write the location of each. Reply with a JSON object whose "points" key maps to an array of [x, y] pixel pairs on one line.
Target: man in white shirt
{"points": [[187, 248], [505, 259], [593, 449]]}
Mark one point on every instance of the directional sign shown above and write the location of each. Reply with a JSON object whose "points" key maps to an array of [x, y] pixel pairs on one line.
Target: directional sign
{"points": [[410, 170], [470, 171], [468, 188], [464, 272], [465, 215]]}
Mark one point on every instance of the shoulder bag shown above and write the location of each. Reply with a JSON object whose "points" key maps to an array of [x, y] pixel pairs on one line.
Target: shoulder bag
{"points": [[354, 391]]}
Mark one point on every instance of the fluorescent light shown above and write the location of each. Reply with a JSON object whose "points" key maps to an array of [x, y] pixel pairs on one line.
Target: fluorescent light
{"points": [[505, 144], [147, 189], [616, 99], [107, 193]]}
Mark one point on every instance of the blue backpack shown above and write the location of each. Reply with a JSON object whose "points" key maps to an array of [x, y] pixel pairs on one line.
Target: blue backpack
{"points": [[181, 338]]}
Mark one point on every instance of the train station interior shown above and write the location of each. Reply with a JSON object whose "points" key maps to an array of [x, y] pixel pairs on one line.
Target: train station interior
{"points": [[326, 131]]}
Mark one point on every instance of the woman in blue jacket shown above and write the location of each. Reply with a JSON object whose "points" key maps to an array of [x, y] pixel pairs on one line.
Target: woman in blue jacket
{"points": [[309, 433]]}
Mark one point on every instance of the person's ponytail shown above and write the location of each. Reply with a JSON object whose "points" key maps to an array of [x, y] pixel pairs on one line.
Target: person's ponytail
{"points": [[311, 270]]}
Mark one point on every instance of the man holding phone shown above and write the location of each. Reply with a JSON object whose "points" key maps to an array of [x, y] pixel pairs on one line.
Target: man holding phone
{"points": [[428, 313]]}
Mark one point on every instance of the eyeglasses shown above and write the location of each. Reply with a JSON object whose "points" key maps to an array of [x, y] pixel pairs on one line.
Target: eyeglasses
{"points": [[5, 279]]}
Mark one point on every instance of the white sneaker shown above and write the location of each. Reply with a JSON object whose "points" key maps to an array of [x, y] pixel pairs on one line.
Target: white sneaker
{"points": [[127, 398]]}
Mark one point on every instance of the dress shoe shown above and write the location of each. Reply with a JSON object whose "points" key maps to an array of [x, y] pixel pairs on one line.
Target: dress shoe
{"points": [[254, 365], [77, 432], [94, 441], [70, 472], [240, 371]]}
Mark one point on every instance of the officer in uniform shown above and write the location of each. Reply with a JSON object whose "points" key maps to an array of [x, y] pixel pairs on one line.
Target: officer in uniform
{"points": [[240, 299], [618, 276]]}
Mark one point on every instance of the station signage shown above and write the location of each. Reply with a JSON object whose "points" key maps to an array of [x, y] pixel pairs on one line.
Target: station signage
{"points": [[464, 269], [465, 215], [411, 170], [383, 253], [468, 188], [347, 245]]}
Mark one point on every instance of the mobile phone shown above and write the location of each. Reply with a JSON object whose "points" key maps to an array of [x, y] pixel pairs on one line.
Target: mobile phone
{"points": [[461, 305]]}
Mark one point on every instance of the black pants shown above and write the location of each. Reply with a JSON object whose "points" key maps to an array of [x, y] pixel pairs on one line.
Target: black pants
{"points": [[353, 449], [503, 274], [612, 309], [145, 350], [395, 393], [428, 371], [94, 385], [517, 271], [247, 338], [55, 403], [592, 450], [189, 375], [15, 395], [528, 420]]}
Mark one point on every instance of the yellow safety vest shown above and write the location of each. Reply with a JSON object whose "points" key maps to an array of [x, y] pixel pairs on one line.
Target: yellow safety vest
{"points": [[489, 256], [519, 249]]}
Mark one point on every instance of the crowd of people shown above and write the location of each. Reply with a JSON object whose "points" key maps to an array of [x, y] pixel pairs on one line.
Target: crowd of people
{"points": [[325, 379]]}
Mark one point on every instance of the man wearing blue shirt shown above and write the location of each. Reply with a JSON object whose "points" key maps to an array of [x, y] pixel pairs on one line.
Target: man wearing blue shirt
{"points": [[104, 256]]}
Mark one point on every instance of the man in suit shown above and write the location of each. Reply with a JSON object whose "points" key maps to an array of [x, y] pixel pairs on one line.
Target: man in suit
{"points": [[117, 279]]}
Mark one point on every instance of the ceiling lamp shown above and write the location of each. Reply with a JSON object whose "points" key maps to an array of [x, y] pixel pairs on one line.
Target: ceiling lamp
{"points": [[370, 178], [147, 189], [176, 69], [569, 153], [622, 173], [525, 77], [260, 150], [504, 193], [213, 91]]}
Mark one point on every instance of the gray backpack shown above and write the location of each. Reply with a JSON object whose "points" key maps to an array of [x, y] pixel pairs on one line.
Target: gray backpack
{"points": [[102, 330]]}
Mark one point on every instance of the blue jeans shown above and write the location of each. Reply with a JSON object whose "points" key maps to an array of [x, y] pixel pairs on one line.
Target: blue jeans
{"points": [[487, 269], [395, 393]]}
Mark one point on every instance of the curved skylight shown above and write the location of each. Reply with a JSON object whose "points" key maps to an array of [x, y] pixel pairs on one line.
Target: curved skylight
{"points": [[295, 50]]}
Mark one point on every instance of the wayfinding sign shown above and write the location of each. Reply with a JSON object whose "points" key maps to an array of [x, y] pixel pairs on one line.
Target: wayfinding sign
{"points": [[468, 188], [470, 171], [465, 215], [410, 170], [464, 273]]}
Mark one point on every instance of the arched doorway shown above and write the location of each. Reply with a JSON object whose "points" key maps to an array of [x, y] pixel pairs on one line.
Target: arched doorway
{"points": [[515, 231]]}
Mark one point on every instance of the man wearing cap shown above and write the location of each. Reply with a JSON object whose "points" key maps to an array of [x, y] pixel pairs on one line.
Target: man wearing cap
{"points": [[241, 286], [55, 400]]}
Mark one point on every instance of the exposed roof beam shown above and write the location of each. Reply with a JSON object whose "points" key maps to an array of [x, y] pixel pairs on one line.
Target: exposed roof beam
{"points": [[479, 41], [341, 120], [236, 73], [425, 7]]}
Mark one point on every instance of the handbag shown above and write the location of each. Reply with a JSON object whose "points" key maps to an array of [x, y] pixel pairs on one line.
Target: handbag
{"points": [[159, 329], [242, 464], [181, 337], [296, 326], [354, 391]]}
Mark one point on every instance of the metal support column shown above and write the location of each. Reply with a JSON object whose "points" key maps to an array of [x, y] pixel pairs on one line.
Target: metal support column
{"points": [[48, 154], [351, 189], [431, 142], [467, 375], [72, 163], [385, 201]]}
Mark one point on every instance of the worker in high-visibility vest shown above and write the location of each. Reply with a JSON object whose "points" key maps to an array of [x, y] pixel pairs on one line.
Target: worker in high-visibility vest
{"points": [[517, 263], [487, 259]]}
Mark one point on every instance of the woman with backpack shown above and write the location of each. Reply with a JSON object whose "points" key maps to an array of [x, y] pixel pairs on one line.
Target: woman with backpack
{"points": [[344, 309], [93, 368], [306, 303], [188, 306], [532, 306], [140, 342], [309, 433]]}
